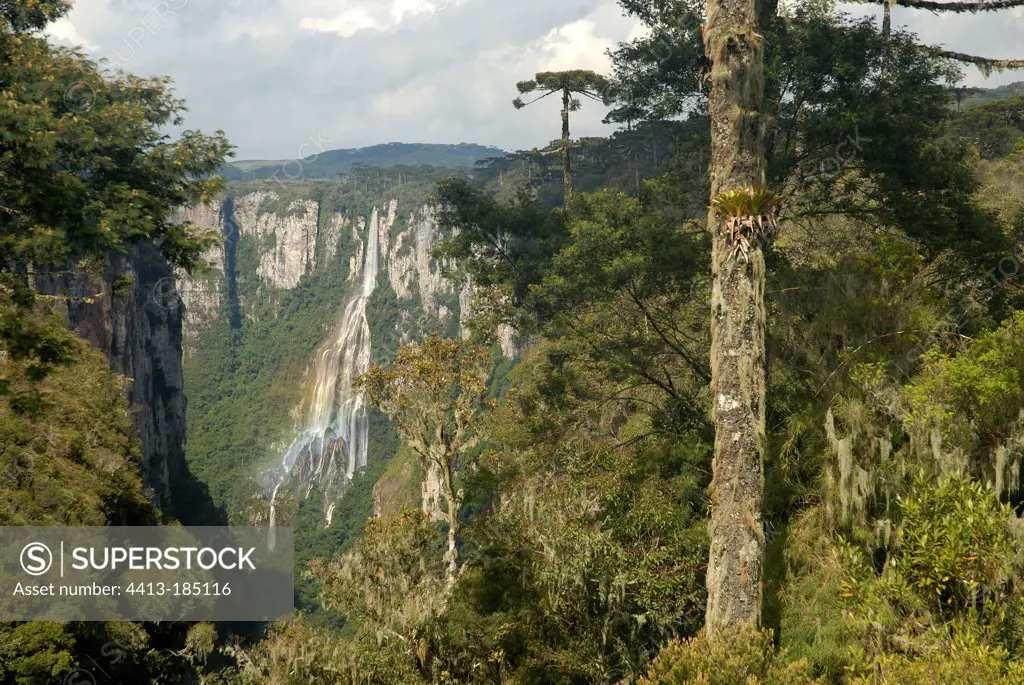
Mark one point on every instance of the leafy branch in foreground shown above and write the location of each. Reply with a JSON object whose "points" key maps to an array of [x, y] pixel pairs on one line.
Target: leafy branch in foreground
{"points": [[85, 172]]}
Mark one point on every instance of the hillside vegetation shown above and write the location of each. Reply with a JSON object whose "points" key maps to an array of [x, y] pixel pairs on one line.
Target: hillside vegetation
{"points": [[765, 425], [889, 512]]}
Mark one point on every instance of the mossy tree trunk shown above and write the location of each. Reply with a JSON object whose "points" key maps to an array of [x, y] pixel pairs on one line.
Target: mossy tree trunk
{"points": [[453, 496], [566, 164], [734, 47]]}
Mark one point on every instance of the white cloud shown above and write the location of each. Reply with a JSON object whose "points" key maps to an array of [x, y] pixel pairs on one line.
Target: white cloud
{"points": [[372, 16], [63, 31], [271, 73], [345, 24], [406, 102], [575, 46], [400, 8]]}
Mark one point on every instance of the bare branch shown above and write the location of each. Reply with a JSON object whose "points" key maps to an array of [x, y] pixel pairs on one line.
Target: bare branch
{"points": [[986, 64], [540, 97], [934, 6]]}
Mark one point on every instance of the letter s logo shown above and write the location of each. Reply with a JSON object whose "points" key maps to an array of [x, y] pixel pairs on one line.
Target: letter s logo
{"points": [[36, 559]]}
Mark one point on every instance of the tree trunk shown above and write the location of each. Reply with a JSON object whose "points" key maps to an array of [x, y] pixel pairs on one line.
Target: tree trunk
{"points": [[431, 489], [735, 106], [454, 502], [566, 167]]}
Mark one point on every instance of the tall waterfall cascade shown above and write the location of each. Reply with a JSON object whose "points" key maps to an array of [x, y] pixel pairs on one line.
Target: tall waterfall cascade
{"points": [[278, 240], [331, 443]]}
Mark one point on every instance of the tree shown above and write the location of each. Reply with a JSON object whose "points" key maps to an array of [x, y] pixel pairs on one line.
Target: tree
{"points": [[503, 249], [985, 64], [434, 392], [741, 221], [85, 172], [26, 15], [569, 83]]}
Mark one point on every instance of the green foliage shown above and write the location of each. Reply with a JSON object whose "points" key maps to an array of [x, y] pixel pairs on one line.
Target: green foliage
{"points": [[813, 621], [574, 82], [200, 641], [31, 15], [86, 170], [953, 543], [731, 658], [296, 653], [36, 652], [743, 202], [623, 160], [969, 97], [392, 581], [994, 128], [434, 392], [622, 295], [503, 248], [934, 595], [975, 397], [73, 460], [621, 549], [968, 660], [660, 75], [853, 149]]}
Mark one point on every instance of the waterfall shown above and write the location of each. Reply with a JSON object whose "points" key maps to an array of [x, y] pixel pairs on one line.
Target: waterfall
{"points": [[331, 442]]}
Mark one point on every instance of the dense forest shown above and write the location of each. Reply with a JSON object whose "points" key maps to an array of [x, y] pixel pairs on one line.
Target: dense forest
{"points": [[766, 420]]}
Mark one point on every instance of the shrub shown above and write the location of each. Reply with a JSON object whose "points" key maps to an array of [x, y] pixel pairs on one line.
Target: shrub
{"points": [[732, 657]]}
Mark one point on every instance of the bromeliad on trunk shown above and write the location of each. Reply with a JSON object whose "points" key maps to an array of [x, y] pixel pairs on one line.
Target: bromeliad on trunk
{"points": [[748, 214]]}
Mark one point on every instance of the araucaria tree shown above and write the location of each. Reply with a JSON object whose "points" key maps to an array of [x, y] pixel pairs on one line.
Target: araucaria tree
{"points": [[985, 64], [741, 221], [570, 84], [434, 392]]}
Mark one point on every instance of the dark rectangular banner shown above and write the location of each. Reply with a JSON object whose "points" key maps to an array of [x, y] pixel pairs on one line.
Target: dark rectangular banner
{"points": [[158, 573]]}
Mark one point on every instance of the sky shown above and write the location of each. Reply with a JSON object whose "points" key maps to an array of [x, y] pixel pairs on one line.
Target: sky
{"points": [[286, 78]]}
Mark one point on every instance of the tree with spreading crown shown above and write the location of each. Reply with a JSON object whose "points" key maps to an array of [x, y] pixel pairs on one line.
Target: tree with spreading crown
{"points": [[578, 82]]}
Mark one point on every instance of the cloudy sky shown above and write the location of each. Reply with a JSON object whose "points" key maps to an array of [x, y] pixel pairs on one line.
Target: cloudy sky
{"points": [[280, 74]]}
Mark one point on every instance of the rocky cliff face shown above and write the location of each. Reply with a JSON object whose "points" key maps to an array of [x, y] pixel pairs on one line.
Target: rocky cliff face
{"points": [[371, 261], [203, 292], [304, 237], [138, 325]]}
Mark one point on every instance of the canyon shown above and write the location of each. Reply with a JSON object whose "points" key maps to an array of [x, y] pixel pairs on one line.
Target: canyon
{"points": [[369, 259], [365, 258]]}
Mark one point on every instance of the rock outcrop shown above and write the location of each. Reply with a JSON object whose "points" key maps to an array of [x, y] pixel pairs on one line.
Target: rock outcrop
{"points": [[296, 238], [387, 287], [137, 324]]}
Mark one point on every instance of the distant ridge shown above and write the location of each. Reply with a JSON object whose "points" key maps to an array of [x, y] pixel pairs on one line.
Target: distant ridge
{"points": [[978, 96], [334, 163]]}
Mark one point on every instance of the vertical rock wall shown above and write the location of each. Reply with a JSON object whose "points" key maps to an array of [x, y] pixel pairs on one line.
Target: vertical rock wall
{"points": [[139, 327], [300, 239]]}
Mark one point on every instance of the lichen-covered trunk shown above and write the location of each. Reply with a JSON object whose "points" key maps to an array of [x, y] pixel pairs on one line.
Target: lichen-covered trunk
{"points": [[566, 165], [734, 46], [431, 490], [454, 502]]}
